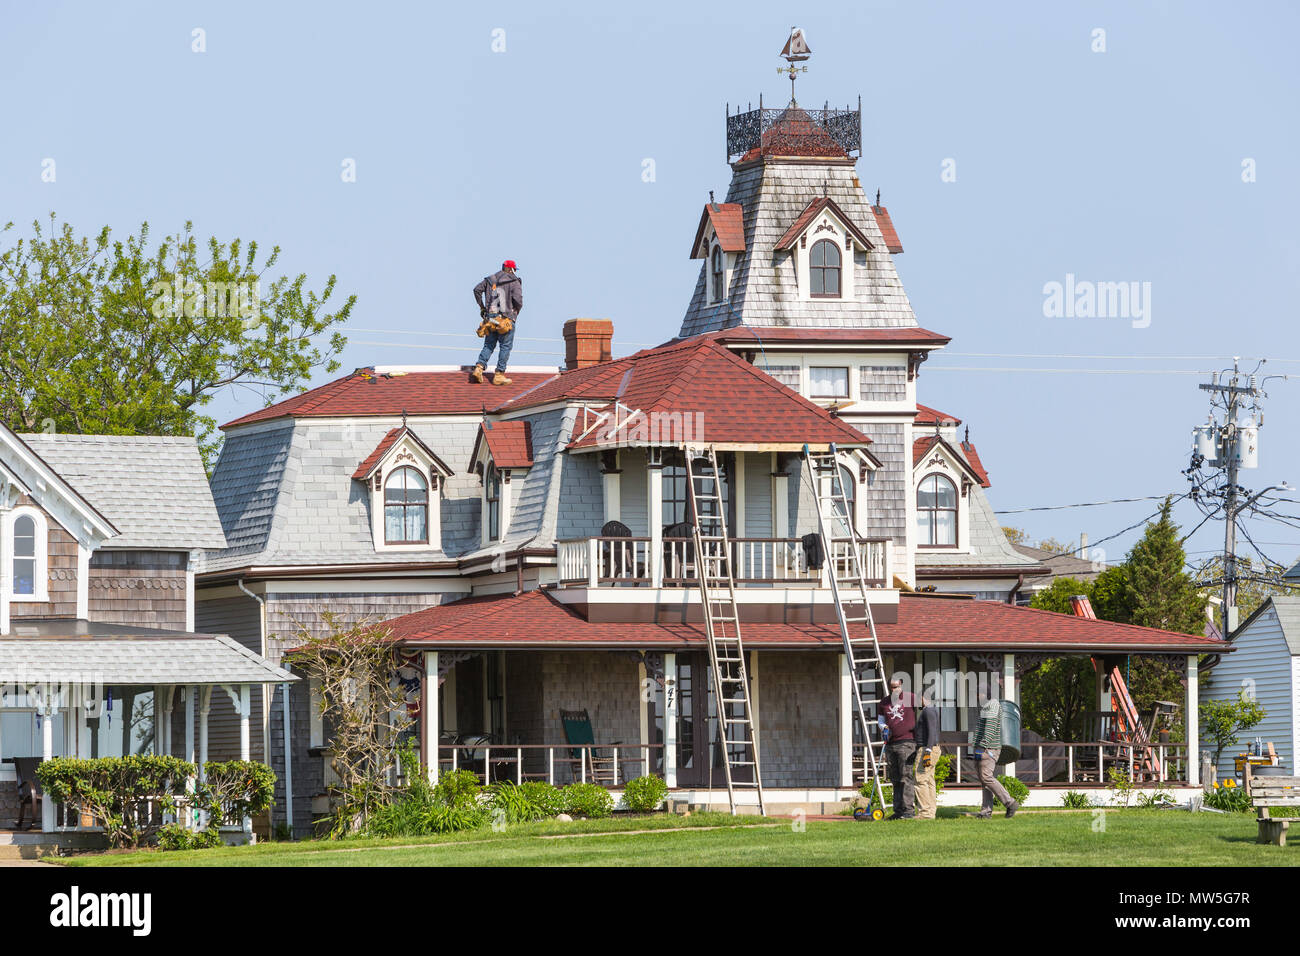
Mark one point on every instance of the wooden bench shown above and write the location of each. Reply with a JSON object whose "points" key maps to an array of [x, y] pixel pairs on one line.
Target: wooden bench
{"points": [[1267, 793]]}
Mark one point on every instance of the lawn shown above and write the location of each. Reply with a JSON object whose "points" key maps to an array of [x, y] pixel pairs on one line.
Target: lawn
{"points": [[1129, 838]]}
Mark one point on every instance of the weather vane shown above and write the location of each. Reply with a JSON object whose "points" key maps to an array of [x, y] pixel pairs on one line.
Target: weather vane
{"points": [[795, 51]]}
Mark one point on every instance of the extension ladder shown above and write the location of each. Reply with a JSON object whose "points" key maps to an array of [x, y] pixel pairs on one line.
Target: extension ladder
{"points": [[722, 625], [866, 666], [1130, 729]]}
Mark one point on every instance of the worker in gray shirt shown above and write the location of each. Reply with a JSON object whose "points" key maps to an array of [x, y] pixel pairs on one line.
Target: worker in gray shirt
{"points": [[986, 739], [927, 756]]}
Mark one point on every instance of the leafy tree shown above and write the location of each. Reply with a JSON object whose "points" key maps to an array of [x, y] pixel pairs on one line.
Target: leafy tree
{"points": [[1110, 597], [1255, 581], [1224, 720], [1015, 535], [119, 336], [1056, 596], [1056, 547], [1159, 591], [1055, 698]]}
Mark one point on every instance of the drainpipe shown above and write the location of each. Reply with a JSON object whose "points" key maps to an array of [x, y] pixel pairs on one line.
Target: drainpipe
{"points": [[1011, 595], [266, 699]]}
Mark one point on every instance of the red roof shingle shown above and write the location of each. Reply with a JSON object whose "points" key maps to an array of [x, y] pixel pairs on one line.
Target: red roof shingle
{"points": [[509, 443], [925, 415], [537, 618], [418, 393], [811, 212], [728, 221], [887, 230]]}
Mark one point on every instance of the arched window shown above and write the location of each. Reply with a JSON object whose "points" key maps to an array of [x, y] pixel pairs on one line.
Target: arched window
{"points": [[25, 556], [719, 273], [844, 480], [936, 512], [406, 508], [824, 269]]}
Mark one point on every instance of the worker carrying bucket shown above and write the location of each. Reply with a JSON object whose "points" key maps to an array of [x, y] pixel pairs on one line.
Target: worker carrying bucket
{"points": [[995, 740], [500, 299]]}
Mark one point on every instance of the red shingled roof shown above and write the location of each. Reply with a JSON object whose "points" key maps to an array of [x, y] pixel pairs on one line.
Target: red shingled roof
{"points": [[367, 467], [973, 458], [536, 618], [887, 230], [921, 447], [811, 212], [728, 220], [509, 443], [925, 415], [700, 384], [418, 393]]}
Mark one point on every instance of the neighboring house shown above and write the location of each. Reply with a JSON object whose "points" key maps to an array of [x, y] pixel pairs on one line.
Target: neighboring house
{"points": [[961, 547], [528, 546], [98, 654], [1061, 565], [1265, 664]]}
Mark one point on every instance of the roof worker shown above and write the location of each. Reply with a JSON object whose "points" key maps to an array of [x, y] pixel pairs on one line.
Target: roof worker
{"points": [[500, 299]]}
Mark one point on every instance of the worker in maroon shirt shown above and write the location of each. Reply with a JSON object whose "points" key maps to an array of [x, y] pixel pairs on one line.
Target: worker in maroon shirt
{"points": [[899, 711]]}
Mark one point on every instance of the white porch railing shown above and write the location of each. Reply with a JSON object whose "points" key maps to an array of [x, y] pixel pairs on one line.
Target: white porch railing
{"points": [[607, 561], [610, 765], [1054, 763]]}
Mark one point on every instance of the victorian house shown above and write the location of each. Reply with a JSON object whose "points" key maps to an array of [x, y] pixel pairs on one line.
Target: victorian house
{"points": [[528, 548], [99, 655]]}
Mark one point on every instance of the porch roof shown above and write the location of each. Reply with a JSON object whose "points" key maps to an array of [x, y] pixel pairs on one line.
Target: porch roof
{"points": [[66, 651], [537, 619]]}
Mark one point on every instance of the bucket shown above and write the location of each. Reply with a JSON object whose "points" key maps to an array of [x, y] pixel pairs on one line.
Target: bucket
{"points": [[1010, 731]]}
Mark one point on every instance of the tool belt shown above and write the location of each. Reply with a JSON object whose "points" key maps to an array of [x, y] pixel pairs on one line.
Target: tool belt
{"points": [[500, 324]]}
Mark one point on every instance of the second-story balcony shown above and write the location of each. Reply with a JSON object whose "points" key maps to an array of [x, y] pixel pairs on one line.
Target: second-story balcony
{"points": [[670, 562]]}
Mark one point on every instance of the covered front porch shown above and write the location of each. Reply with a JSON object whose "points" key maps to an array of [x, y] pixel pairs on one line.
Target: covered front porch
{"points": [[72, 688]]}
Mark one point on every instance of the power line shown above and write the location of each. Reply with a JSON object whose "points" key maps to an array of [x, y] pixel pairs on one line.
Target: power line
{"points": [[1082, 504]]}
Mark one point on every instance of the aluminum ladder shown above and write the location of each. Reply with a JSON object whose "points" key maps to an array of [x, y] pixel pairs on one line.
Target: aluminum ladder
{"points": [[866, 666], [722, 625]]}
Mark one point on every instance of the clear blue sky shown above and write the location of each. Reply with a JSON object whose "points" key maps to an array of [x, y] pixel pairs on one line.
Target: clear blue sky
{"points": [[1117, 166]]}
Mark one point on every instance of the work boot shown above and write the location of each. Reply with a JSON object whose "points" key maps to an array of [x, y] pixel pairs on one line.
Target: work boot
{"points": [[500, 379], [1011, 810], [477, 374]]}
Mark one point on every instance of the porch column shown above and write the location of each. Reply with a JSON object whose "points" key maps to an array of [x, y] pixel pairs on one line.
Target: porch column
{"points": [[670, 721], [1191, 714], [655, 513], [429, 712], [205, 705], [159, 731], [1010, 692], [189, 723], [611, 474], [49, 708], [245, 709], [738, 495], [847, 717]]}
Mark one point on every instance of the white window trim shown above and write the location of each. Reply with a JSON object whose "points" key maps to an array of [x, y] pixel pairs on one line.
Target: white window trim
{"points": [[728, 265], [953, 475], [504, 503], [840, 236], [42, 575], [413, 458]]}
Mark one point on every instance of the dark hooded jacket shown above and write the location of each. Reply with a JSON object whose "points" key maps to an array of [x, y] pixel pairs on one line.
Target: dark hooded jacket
{"points": [[501, 294]]}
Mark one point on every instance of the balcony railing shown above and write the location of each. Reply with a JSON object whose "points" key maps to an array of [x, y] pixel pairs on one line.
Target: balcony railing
{"points": [[772, 562], [610, 765]]}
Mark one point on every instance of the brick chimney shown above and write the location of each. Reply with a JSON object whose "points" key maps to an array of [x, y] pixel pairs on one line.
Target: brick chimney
{"points": [[587, 342]]}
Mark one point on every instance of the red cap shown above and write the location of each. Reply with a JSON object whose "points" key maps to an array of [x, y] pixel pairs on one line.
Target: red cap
{"points": [[509, 264]]}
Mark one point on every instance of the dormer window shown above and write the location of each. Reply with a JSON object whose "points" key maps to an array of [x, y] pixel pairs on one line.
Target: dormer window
{"points": [[718, 267], [824, 270], [29, 533], [402, 478], [406, 507]]}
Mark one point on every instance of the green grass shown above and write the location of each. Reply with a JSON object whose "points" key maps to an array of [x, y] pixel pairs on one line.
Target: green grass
{"points": [[1131, 838]]}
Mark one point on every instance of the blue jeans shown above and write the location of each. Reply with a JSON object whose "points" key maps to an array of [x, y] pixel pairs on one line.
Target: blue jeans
{"points": [[491, 341]]}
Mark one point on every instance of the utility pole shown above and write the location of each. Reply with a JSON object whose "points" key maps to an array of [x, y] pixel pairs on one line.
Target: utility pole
{"points": [[1230, 445]]}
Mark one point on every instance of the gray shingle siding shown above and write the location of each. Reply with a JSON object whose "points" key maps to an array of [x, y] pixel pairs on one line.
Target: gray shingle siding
{"points": [[888, 485], [758, 495], [764, 288], [583, 494]]}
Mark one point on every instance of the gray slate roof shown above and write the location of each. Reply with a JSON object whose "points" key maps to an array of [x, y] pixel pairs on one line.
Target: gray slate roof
{"points": [[287, 498], [130, 656], [152, 488], [764, 290]]}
